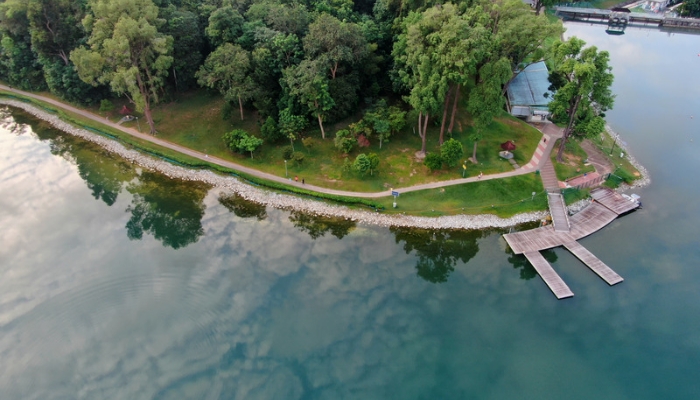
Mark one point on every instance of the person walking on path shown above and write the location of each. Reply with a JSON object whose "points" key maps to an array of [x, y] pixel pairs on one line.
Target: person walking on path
{"points": [[296, 178], [302, 181]]}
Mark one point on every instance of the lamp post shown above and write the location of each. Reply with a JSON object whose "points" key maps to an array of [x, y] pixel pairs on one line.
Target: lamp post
{"points": [[138, 123], [464, 169], [285, 169]]}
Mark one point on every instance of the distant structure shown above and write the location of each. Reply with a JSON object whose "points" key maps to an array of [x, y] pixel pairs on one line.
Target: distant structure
{"points": [[528, 96]]}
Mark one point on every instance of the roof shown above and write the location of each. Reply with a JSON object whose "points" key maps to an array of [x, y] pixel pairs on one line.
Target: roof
{"points": [[529, 86]]}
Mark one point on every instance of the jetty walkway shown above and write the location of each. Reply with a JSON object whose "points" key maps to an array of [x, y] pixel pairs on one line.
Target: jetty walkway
{"points": [[606, 206]]}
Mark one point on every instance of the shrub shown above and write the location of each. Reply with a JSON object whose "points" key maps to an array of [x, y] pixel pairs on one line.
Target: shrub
{"points": [[451, 152], [298, 157], [106, 105], [270, 132], [233, 139], [362, 164], [433, 161], [287, 152], [308, 142], [344, 141]]}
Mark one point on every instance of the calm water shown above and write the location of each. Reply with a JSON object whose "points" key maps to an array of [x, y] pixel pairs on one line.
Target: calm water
{"points": [[117, 283]]}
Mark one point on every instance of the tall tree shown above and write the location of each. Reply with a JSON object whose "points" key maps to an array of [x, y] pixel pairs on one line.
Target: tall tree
{"points": [[311, 86], [188, 40], [333, 42], [126, 50], [227, 70], [581, 78]]}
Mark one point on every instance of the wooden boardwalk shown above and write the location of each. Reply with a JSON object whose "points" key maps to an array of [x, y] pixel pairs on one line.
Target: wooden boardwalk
{"points": [[607, 206], [557, 208], [548, 275], [597, 266]]}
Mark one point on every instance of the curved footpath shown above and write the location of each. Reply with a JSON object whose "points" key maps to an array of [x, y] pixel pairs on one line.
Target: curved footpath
{"points": [[228, 184], [530, 167]]}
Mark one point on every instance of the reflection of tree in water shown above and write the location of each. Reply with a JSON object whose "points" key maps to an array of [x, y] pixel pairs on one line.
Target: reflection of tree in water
{"points": [[103, 172], [171, 210], [527, 271], [438, 251], [317, 226], [8, 122], [242, 207]]}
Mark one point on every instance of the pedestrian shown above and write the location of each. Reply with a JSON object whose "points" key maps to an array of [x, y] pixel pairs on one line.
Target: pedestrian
{"points": [[545, 140], [296, 178], [302, 181], [480, 174]]}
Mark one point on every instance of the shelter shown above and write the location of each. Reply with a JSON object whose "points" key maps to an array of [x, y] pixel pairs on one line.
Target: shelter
{"points": [[125, 110], [526, 92]]}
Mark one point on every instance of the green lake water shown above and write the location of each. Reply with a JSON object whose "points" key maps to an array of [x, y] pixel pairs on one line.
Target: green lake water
{"points": [[117, 283]]}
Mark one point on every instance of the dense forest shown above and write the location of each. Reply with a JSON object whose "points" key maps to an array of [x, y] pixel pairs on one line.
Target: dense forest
{"points": [[296, 63]]}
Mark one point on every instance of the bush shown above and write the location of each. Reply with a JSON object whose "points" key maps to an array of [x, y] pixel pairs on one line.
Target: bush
{"points": [[233, 139], [308, 142], [433, 161], [270, 132], [287, 152], [344, 141], [298, 157], [106, 105], [362, 164], [451, 152]]}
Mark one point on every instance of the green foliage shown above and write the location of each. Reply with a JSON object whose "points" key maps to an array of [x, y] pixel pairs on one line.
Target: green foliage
{"points": [[233, 139], [362, 164], [344, 141], [308, 142], [291, 125], [250, 144], [582, 79], [227, 70], [433, 161], [126, 51], [270, 132], [106, 105], [287, 152], [690, 8], [298, 157], [373, 162], [451, 152]]}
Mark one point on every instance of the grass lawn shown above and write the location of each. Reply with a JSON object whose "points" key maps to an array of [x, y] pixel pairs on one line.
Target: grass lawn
{"points": [[195, 121], [573, 160], [501, 197]]}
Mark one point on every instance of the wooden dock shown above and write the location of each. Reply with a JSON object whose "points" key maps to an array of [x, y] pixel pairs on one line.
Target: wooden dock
{"points": [[597, 266], [607, 206], [557, 208], [548, 275]]}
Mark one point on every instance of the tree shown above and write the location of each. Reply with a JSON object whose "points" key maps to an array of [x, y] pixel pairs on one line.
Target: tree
{"points": [[125, 50], [362, 164], [486, 99], [291, 125], [306, 82], [250, 144], [690, 8], [226, 70], [333, 42], [233, 139], [269, 130], [373, 162], [582, 79], [225, 26], [451, 152], [183, 26], [344, 141]]}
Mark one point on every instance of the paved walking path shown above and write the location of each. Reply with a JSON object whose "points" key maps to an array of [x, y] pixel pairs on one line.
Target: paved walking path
{"points": [[550, 133]]}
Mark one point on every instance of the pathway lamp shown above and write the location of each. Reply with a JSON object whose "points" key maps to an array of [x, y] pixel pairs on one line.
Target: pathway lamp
{"points": [[285, 169], [138, 123]]}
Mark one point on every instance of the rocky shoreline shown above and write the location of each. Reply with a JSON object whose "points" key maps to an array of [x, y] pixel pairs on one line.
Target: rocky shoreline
{"points": [[227, 185]]}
